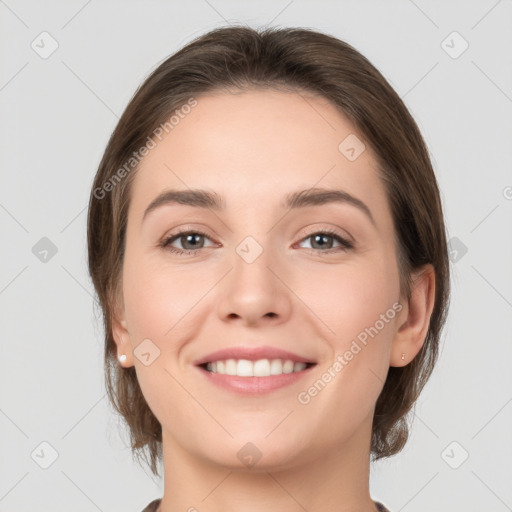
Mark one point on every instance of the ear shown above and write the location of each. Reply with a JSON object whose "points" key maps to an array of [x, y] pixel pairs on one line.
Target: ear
{"points": [[120, 333], [414, 319]]}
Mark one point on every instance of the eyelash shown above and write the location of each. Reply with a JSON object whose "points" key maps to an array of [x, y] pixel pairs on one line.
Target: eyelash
{"points": [[345, 244]]}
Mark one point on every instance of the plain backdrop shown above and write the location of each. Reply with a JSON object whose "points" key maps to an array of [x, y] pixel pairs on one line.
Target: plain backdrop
{"points": [[67, 71]]}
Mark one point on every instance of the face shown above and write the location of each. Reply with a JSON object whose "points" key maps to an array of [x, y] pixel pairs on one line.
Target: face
{"points": [[317, 278]]}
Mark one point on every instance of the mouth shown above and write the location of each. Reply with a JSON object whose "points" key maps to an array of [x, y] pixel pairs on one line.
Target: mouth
{"points": [[257, 368], [254, 378], [253, 370]]}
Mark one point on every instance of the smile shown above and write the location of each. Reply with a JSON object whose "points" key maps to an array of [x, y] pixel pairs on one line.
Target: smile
{"points": [[259, 368], [254, 377]]}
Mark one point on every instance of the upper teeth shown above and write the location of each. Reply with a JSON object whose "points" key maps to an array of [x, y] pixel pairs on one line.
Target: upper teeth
{"points": [[259, 368]]}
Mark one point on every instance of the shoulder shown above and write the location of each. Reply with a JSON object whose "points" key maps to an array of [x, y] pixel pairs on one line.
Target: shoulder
{"points": [[152, 507]]}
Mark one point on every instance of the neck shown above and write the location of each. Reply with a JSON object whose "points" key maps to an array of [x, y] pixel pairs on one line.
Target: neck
{"points": [[328, 481]]}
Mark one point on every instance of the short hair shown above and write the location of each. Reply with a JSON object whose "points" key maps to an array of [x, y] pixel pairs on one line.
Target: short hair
{"points": [[297, 60]]}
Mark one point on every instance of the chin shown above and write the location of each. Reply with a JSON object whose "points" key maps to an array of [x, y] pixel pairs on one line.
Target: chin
{"points": [[254, 453]]}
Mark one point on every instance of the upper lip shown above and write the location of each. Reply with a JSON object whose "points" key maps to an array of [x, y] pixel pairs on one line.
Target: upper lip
{"points": [[252, 354]]}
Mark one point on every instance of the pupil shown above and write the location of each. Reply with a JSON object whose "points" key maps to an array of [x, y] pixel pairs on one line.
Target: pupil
{"points": [[323, 237], [189, 237]]}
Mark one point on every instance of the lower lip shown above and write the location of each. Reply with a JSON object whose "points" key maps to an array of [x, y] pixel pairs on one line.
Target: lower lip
{"points": [[254, 385]]}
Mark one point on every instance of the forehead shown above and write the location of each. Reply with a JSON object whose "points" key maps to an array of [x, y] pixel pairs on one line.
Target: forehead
{"points": [[254, 147]]}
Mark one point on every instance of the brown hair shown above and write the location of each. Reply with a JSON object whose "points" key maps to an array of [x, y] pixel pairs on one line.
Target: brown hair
{"points": [[298, 60]]}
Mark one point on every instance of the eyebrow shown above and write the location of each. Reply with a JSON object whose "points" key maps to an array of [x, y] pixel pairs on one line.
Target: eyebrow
{"points": [[211, 200]]}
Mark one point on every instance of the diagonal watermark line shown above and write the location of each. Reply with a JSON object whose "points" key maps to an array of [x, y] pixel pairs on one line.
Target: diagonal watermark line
{"points": [[293, 410], [79, 283], [420, 80], [13, 279], [14, 485], [285, 490], [505, 299], [217, 486], [405, 504], [316, 111], [83, 417], [14, 76], [73, 219], [13, 423], [425, 425], [199, 300], [332, 332], [425, 14], [506, 403], [200, 404], [217, 12], [117, 117], [485, 15], [76, 14], [484, 218], [81, 491], [14, 218], [279, 13], [508, 508], [492, 81], [377, 376], [3, 3]]}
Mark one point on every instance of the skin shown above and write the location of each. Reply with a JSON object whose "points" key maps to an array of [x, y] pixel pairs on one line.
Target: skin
{"points": [[253, 148]]}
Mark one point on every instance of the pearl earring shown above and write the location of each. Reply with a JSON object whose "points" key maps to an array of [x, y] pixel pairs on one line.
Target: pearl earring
{"points": [[403, 356], [122, 358]]}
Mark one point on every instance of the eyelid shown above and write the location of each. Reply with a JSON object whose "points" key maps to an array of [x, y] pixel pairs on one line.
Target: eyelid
{"points": [[333, 230], [347, 242], [309, 231], [186, 230]]}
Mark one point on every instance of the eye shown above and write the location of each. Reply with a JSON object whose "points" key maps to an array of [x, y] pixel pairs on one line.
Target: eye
{"points": [[193, 241], [324, 240], [190, 241]]}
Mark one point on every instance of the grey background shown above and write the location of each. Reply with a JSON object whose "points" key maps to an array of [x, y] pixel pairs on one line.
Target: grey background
{"points": [[56, 116]]}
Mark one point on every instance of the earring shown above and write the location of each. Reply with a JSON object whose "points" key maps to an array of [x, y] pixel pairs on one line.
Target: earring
{"points": [[122, 358], [403, 356]]}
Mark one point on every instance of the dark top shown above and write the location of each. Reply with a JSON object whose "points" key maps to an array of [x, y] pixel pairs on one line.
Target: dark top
{"points": [[153, 506]]}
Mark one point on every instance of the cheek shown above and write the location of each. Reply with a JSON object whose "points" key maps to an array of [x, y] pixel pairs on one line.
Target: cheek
{"points": [[146, 298], [160, 304], [357, 305], [350, 297], [159, 298]]}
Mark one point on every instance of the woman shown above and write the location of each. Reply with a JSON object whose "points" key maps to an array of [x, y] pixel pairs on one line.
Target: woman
{"points": [[266, 239]]}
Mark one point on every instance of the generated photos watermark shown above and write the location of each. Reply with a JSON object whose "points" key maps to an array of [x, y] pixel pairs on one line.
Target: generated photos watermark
{"points": [[137, 156], [342, 360]]}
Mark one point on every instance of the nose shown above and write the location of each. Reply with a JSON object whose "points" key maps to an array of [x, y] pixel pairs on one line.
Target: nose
{"points": [[255, 293]]}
